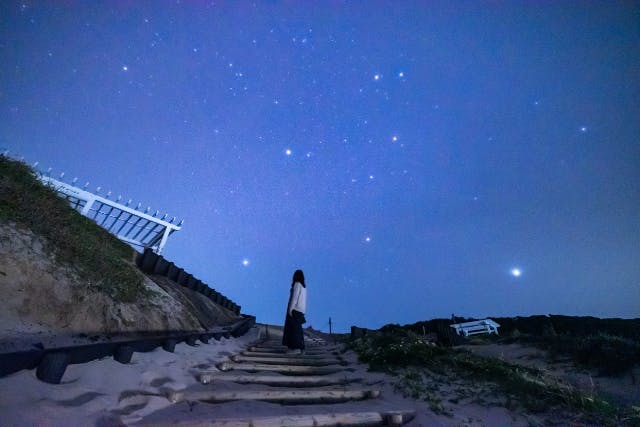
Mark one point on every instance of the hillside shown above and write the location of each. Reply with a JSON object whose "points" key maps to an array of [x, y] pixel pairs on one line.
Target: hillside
{"points": [[66, 280]]}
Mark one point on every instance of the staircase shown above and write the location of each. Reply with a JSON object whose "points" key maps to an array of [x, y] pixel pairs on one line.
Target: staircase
{"points": [[264, 386]]}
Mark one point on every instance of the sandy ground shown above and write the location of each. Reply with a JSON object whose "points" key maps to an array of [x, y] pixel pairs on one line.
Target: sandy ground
{"points": [[467, 413], [624, 388], [106, 393]]}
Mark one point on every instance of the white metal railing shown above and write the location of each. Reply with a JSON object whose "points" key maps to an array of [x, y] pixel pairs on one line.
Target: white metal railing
{"points": [[127, 224]]}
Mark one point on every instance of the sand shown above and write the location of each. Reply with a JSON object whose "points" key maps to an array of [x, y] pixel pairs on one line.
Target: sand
{"points": [[105, 392]]}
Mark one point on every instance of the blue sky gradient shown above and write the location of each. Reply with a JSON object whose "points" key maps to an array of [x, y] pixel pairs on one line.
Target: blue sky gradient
{"points": [[405, 155]]}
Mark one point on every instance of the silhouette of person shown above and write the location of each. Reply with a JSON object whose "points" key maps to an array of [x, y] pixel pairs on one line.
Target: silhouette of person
{"points": [[293, 336]]}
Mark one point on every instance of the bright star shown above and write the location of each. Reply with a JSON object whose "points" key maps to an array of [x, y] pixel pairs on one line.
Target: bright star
{"points": [[583, 129], [245, 262], [516, 272], [125, 68], [367, 239], [394, 138], [288, 152], [377, 77], [401, 74]]}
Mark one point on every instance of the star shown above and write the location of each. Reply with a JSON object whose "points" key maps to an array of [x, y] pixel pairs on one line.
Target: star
{"points": [[401, 74], [245, 262], [394, 138], [125, 68], [288, 152], [583, 129], [377, 77], [516, 272], [367, 239]]}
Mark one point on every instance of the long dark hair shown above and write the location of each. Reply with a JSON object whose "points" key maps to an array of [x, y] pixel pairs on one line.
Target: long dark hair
{"points": [[298, 276]]}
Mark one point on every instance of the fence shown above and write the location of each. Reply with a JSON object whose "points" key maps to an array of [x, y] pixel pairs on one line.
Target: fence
{"points": [[152, 263]]}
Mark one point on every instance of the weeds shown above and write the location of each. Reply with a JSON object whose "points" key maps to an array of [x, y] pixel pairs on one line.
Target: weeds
{"points": [[610, 355], [98, 258], [404, 354], [411, 383]]}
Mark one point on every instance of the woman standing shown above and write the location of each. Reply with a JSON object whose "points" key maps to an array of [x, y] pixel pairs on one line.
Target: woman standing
{"points": [[292, 336]]}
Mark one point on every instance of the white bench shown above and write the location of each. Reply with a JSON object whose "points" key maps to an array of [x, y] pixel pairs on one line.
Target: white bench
{"points": [[486, 326]]}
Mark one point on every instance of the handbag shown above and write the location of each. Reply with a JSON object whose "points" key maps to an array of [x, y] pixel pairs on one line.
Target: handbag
{"points": [[298, 316]]}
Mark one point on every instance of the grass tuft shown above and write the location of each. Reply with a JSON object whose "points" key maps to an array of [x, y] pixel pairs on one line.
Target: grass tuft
{"points": [[98, 258], [403, 353]]}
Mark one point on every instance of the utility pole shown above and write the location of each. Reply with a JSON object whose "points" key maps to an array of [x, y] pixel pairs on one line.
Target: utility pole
{"points": [[330, 326]]}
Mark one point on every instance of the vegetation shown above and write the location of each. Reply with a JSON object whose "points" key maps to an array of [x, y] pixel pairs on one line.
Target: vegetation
{"points": [[420, 367], [607, 354], [98, 258], [609, 346]]}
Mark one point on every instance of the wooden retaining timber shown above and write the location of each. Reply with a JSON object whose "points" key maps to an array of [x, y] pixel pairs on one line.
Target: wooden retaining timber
{"points": [[266, 349], [278, 380], [356, 419], [283, 369], [51, 363], [285, 355], [284, 397], [288, 360]]}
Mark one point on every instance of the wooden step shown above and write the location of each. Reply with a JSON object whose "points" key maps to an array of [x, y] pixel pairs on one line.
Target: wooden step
{"points": [[287, 361], [285, 355], [279, 346], [308, 351], [284, 397], [355, 419], [277, 380], [283, 369]]}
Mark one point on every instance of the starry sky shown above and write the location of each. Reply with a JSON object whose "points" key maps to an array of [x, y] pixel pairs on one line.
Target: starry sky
{"points": [[415, 159]]}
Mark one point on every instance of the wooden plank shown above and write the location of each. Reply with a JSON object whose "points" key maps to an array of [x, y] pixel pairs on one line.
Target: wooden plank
{"points": [[277, 380], [287, 361], [285, 397], [283, 369], [284, 350], [285, 355], [355, 419]]}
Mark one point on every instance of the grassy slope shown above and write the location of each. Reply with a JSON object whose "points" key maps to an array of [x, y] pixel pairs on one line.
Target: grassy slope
{"points": [[405, 354], [99, 259]]}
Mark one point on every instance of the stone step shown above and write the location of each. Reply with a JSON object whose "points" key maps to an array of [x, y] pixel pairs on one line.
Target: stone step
{"points": [[283, 397], [283, 369], [356, 419], [287, 361], [277, 380]]}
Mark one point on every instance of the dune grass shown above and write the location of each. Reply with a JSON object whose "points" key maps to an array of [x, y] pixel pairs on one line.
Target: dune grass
{"points": [[407, 356], [100, 260], [609, 355]]}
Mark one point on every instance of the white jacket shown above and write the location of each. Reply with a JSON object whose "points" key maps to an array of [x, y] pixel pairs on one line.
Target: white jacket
{"points": [[298, 299]]}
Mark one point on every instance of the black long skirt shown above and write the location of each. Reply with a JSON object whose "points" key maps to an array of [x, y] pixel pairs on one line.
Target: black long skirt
{"points": [[292, 336]]}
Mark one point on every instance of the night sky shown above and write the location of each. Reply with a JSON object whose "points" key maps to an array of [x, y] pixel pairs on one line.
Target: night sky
{"points": [[415, 159]]}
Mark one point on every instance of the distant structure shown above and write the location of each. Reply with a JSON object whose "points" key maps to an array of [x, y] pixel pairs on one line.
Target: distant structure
{"points": [[485, 326], [127, 224]]}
